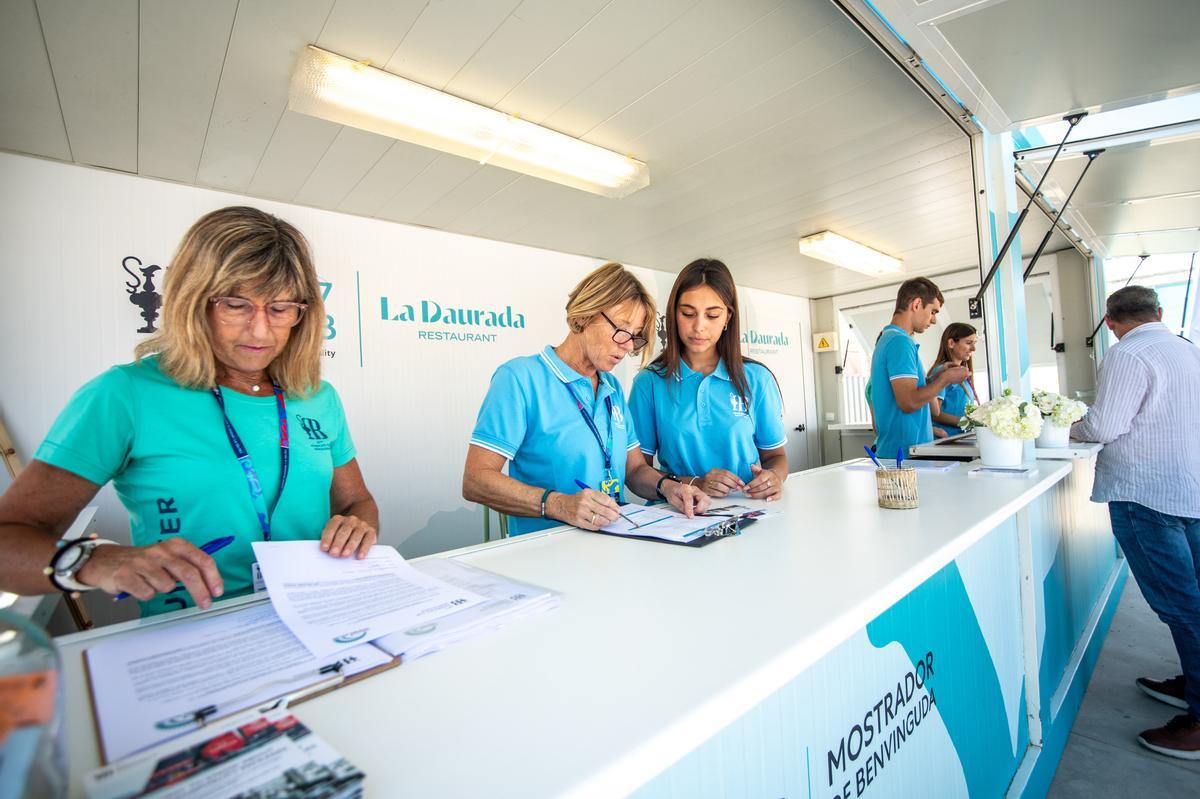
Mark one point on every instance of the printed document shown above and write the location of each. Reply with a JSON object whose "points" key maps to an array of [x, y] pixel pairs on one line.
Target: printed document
{"points": [[146, 688], [331, 603]]}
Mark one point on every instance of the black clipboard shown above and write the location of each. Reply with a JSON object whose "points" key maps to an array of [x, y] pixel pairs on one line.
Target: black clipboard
{"points": [[702, 541]]}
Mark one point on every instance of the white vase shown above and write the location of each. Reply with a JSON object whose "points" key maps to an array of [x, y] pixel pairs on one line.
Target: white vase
{"points": [[1053, 436], [995, 451]]}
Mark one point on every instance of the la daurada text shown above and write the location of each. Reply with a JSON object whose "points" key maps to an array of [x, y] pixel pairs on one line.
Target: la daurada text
{"points": [[868, 747], [434, 313]]}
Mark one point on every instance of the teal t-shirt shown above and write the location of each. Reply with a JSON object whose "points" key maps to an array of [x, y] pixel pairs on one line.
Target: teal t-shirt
{"points": [[165, 450]]}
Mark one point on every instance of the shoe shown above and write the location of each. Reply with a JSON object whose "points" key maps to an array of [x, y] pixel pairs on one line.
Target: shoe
{"points": [[1179, 738], [1169, 692]]}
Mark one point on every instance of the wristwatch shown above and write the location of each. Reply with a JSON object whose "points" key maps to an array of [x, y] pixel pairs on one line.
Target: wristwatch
{"points": [[658, 485], [69, 559]]}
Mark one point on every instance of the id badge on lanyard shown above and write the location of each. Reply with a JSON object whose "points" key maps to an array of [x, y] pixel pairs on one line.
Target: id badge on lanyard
{"points": [[611, 484], [253, 484]]}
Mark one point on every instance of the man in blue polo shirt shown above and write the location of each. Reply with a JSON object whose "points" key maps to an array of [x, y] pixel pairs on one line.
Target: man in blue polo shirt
{"points": [[900, 396]]}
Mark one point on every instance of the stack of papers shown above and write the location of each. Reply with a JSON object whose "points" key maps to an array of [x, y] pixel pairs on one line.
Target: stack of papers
{"points": [[252, 756], [507, 601], [164, 682]]}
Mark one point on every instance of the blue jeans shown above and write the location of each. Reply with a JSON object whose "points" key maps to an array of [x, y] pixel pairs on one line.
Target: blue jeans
{"points": [[1163, 553]]}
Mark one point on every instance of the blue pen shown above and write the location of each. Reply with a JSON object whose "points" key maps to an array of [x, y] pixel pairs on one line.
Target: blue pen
{"points": [[899, 457], [216, 545], [585, 487], [871, 455]]}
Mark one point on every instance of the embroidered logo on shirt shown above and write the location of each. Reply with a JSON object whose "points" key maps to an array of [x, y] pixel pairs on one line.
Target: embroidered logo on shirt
{"points": [[317, 438], [618, 417], [737, 404]]}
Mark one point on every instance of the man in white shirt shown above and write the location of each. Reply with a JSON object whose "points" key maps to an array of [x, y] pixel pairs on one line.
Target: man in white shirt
{"points": [[1146, 415]]}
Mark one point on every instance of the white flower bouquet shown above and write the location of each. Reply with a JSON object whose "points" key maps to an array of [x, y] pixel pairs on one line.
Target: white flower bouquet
{"points": [[1007, 416], [1057, 409]]}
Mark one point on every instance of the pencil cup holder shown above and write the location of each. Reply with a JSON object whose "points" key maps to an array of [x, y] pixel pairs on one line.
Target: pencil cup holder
{"points": [[897, 488]]}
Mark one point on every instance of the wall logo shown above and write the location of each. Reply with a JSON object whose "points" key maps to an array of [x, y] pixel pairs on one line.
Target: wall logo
{"points": [[737, 404], [430, 312], [767, 339], [142, 291], [660, 328]]}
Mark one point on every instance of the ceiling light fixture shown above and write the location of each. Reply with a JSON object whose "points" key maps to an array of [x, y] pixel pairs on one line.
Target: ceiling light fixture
{"points": [[843, 252], [332, 87]]}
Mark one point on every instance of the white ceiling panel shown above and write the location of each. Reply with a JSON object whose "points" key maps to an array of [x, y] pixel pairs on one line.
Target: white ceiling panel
{"points": [[182, 49], [529, 36], [369, 30], [391, 173], [297, 146], [483, 184], [444, 37], [32, 121], [428, 186], [603, 43], [1153, 243], [93, 50], [266, 41], [681, 44], [351, 156]]}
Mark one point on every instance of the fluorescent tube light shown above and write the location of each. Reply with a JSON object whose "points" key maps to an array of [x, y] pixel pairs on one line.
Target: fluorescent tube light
{"points": [[335, 88], [841, 251]]}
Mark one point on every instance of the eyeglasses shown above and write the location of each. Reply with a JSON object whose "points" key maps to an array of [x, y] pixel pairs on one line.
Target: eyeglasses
{"points": [[620, 335], [239, 311]]}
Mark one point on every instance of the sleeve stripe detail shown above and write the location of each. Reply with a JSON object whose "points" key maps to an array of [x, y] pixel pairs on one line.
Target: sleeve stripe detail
{"points": [[493, 448], [776, 445], [900, 377]]}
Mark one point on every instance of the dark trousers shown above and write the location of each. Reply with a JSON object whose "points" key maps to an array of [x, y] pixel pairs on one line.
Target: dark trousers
{"points": [[1163, 553]]}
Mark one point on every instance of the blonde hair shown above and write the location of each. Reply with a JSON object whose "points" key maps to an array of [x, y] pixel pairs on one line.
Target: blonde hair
{"points": [[230, 250], [609, 285]]}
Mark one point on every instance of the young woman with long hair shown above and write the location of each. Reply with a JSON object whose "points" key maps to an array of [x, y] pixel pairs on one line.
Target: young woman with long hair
{"points": [[711, 416], [956, 349]]}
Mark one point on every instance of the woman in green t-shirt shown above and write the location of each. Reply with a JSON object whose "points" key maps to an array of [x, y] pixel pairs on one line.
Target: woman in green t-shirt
{"points": [[221, 433]]}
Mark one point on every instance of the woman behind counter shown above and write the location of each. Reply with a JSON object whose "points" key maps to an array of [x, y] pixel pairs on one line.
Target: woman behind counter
{"points": [[221, 429], [710, 415], [560, 416], [956, 349]]}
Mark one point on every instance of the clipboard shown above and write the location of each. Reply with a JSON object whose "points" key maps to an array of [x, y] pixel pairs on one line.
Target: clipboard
{"points": [[696, 543]]}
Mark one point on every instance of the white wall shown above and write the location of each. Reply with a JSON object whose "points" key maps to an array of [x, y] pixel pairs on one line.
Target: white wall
{"points": [[411, 402]]}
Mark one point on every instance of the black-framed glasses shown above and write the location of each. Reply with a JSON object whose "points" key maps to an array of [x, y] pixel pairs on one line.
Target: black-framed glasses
{"points": [[621, 335], [240, 311]]}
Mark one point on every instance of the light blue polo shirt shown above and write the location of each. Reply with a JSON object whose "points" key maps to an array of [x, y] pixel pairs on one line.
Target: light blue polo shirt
{"points": [[696, 422], [896, 357], [954, 399], [530, 416]]}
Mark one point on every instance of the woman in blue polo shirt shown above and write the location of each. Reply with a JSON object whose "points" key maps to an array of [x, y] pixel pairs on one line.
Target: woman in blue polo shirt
{"points": [[710, 415], [560, 417], [956, 349]]}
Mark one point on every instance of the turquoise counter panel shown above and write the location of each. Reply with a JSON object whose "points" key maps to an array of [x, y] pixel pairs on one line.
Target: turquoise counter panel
{"points": [[929, 699]]}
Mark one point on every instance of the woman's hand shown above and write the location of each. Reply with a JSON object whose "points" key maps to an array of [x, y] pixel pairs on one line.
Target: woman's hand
{"points": [[343, 536], [764, 485], [687, 499], [939, 433], [145, 571], [587, 510], [719, 482]]}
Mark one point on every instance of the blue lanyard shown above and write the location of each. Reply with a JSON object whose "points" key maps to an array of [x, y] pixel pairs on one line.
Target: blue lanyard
{"points": [[587, 417], [239, 451]]}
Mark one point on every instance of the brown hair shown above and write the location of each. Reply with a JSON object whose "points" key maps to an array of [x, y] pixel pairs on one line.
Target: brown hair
{"points": [[918, 288], [714, 274], [609, 285], [955, 331], [226, 251]]}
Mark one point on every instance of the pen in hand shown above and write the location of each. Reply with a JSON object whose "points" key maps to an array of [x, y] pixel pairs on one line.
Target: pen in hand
{"points": [[585, 486], [216, 545]]}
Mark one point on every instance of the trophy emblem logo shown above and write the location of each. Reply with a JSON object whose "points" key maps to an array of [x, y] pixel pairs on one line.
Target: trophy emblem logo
{"points": [[142, 291]]}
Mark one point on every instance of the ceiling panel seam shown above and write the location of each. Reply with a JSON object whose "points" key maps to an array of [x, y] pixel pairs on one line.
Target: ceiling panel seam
{"points": [[400, 44], [212, 108], [54, 80], [316, 164]]}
